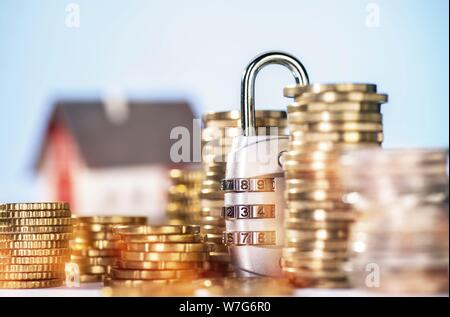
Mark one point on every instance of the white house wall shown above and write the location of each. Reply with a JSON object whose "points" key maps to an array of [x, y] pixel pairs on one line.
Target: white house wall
{"points": [[122, 191]]}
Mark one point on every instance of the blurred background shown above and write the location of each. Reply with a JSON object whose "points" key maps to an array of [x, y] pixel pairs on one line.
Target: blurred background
{"points": [[195, 52]]}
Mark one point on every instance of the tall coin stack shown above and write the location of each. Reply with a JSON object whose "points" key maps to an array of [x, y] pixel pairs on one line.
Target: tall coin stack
{"points": [[34, 244], [323, 120], [401, 236], [95, 248], [184, 196], [219, 129], [158, 254]]}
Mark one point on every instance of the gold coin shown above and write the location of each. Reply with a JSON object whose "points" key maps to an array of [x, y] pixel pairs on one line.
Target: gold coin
{"points": [[293, 91], [35, 229], [32, 284], [326, 205], [319, 245], [25, 260], [91, 278], [348, 137], [334, 274], [84, 235], [167, 247], [82, 244], [326, 116], [34, 252], [311, 185], [119, 220], [185, 176], [312, 195], [37, 221], [300, 224], [236, 115], [95, 269], [154, 274], [160, 265], [32, 268], [332, 97], [321, 215], [298, 166], [297, 236], [152, 230], [313, 264], [137, 283], [26, 276], [335, 107], [336, 127], [162, 238], [219, 257], [93, 227], [208, 229], [35, 206], [215, 238], [298, 254], [166, 256], [25, 237], [33, 244], [212, 221], [95, 252], [215, 212], [93, 260], [303, 282], [34, 214]]}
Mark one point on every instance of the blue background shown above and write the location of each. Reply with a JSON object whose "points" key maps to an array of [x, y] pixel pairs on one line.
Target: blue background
{"points": [[197, 49]]}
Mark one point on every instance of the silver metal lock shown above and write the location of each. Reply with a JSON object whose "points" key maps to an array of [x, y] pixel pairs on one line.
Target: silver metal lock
{"points": [[254, 182]]}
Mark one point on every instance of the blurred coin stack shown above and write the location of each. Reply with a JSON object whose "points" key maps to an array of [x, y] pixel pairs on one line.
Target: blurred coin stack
{"points": [[219, 129], [95, 248], [184, 196], [158, 254], [400, 241], [34, 244], [323, 121], [229, 286]]}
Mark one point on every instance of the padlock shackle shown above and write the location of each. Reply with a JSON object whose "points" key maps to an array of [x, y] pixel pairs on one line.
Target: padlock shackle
{"points": [[248, 119]]}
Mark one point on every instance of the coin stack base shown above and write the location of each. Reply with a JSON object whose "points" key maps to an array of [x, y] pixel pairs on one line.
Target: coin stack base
{"points": [[323, 120], [158, 255], [95, 248], [34, 244]]}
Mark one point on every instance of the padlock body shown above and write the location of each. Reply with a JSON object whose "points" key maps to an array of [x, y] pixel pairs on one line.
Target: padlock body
{"points": [[255, 222]]}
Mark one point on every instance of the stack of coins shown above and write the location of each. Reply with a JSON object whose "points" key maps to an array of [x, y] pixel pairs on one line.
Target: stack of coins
{"points": [[228, 286], [184, 196], [323, 120], [158, 254], [219, 129], [94, 246], [34, 244], [401, 236]]}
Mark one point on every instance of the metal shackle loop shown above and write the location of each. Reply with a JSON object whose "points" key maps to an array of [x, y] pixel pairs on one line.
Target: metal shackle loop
{"points": [[248, 83]]}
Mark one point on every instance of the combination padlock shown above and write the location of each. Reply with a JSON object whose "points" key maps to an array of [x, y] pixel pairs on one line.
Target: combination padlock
{"points": [[254, 182]]}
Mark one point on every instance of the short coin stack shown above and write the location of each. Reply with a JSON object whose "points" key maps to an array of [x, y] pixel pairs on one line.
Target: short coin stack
{"points": [[184, 196], [158, 254], [95, 248], [323, 120], [34, 244], [219, 129]]}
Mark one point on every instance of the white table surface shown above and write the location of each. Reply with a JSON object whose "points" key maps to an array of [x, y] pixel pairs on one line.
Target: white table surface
{"points": [[95, 290]]}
